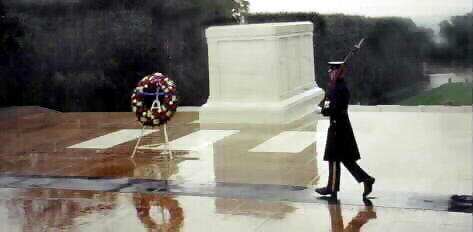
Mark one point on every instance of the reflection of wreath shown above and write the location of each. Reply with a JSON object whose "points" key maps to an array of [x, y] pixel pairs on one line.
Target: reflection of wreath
{"points": [[154, 100], [161, 213]]}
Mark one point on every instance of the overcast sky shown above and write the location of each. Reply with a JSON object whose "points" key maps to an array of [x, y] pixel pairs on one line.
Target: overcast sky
{"points": [[423, 12]]}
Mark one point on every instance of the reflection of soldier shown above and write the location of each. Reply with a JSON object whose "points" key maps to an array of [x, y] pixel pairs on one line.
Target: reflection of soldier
{"points": [[356, 222], [170, 214]]}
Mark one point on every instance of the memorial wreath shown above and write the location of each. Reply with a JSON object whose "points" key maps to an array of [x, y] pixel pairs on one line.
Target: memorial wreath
{"points": [[154, 100]]}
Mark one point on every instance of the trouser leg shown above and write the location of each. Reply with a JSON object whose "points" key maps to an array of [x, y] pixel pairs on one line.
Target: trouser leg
{"points": [[356, 171], [334, 176]]}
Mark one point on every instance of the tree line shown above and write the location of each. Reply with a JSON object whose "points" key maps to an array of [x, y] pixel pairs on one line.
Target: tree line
{"points": [[456, 47], [88, 55]]}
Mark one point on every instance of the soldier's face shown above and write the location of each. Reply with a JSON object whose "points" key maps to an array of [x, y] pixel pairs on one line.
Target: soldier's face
{"points": [[332, 74]]}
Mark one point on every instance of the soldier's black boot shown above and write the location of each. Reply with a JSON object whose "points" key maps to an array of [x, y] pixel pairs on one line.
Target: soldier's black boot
{"points": [[326, 191], [368, 184]]}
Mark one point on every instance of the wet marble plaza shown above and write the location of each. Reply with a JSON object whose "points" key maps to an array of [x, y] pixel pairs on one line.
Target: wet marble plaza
{"points": [[73, 172]]}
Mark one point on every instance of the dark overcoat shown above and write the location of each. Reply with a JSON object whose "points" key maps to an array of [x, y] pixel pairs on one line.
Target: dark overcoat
{"points": [[341, 143]]}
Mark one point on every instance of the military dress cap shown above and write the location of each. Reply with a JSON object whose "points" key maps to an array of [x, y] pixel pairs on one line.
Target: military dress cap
{"points": [[335, 63]]}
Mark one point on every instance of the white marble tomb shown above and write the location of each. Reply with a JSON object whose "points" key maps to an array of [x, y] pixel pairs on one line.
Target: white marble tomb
{"points": [[260, 73]]}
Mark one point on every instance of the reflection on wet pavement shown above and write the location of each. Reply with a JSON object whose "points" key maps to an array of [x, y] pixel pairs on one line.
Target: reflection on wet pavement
{"points": [[232, 191], [361, 218], [158, 213], [228, 185], [59, 210]]}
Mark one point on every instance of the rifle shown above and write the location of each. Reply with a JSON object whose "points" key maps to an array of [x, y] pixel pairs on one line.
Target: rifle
{"points": [[340, 71], [355, 48]]}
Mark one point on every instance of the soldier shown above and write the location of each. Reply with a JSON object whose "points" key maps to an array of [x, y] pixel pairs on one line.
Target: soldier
{"points": [[341, 144]]}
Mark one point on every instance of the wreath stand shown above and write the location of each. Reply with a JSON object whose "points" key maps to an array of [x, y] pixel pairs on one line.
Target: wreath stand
{"points": [[156, 105]]}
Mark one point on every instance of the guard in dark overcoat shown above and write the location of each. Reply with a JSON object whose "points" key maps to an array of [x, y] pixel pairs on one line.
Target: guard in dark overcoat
{"points": [[341, 146]]}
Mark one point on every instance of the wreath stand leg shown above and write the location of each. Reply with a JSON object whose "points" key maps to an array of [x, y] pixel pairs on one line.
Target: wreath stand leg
{"points": [[138, 142], [166, 143]]}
